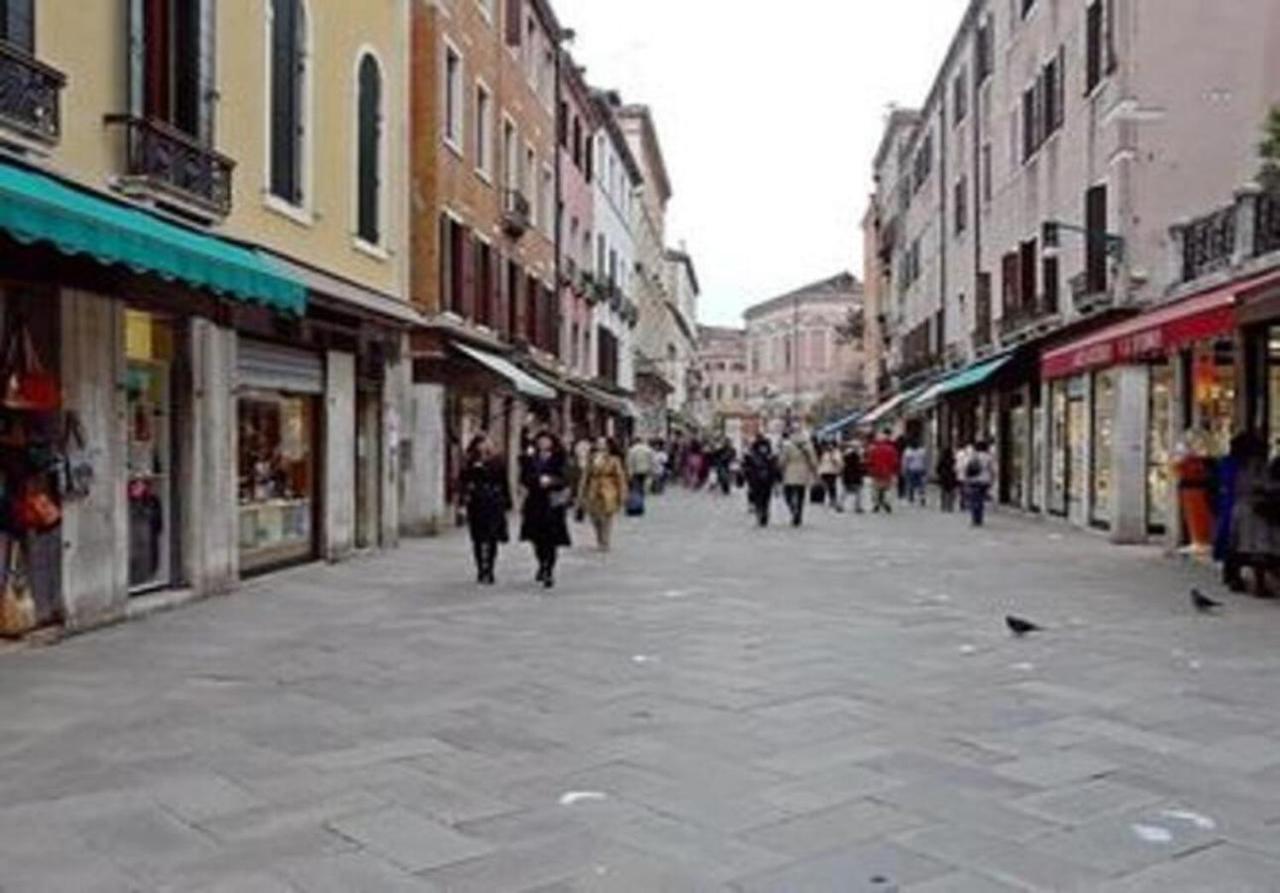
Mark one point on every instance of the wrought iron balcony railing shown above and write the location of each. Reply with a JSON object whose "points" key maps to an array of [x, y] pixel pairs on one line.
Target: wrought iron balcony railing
{"points": [[30, 95], [516, 213], [1266, 226], [168, 161], [1208, 243]]}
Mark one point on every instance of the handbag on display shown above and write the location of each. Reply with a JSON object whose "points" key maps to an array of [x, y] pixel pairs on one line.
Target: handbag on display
{"points": [[27, 384], [35, 510], [75, 471], [17, 605]]}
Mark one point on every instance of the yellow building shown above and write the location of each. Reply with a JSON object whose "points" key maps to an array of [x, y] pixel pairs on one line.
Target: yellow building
{"points": [[204, 236]]}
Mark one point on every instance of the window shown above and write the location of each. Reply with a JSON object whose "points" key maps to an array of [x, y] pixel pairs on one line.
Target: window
{"points": [[486, 7], [985, 51], [1027, 261], [960, 96], [528, 180], [453, 99], [1095, 244], [961, 205], [1043, 106], [454, 273], [484, 131], [1049, 273], [987, 174], [1100, 43], [369, 152], [288, 98], [1027, 6], [546, 200], [484, 281], [17, 24], [922, 164], [510, 155], [172, 68]]}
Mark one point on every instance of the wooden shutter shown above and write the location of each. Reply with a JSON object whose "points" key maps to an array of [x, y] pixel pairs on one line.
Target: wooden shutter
{"points": [[1093, 45], [1095, 222], [17, 17], [287, 70], [369, 116], [514, 21], [207, 98], [137, 44], [444, 256], [468, 249], [156, 29]]}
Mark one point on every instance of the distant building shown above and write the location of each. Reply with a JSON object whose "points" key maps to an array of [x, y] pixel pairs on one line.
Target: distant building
{"points": [[722, 367], [800, 355]]}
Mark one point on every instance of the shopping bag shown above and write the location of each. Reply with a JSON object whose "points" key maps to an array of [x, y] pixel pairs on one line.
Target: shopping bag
{"points": [[17, 606], [817, 494]]}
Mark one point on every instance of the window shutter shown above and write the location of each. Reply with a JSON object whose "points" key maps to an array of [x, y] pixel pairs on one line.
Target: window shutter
{"points": [[288, 69], [514, 19], [207, 98], [369, 151], [1062, 87], [18, 19], [467, 305], [445, 251], [137, 44]]}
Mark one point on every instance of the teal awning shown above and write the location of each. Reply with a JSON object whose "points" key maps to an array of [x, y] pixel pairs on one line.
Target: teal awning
{"points": [[39, 209], [972, 376], [840, 425]]}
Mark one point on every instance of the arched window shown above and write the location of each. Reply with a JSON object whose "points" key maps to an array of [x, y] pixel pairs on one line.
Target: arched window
{"points": [[369, 151], [288, 97]]}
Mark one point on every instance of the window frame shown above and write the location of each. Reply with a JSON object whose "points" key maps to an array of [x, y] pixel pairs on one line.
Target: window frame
{"points": [[453, 133], [299, 208], [382, 165], [484, 131]]}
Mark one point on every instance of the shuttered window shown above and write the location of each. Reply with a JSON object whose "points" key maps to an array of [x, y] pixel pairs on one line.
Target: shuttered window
{"points": [[172, 63], [369, 165], [288, 79], [17, 18]]}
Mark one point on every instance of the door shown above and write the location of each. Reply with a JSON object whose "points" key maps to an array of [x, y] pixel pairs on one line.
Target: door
{"points": [[149, 471]]}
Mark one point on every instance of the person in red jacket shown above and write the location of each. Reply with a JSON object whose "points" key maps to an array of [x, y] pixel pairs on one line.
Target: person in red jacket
{"points": [[884, 463]]}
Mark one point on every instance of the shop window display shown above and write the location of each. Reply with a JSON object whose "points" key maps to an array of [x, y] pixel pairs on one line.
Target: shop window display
{"points": [[277, 479], [1160, 449], [1037, 458], [1077, 430], [1103, 429], [1060, 450], [149, 346]]}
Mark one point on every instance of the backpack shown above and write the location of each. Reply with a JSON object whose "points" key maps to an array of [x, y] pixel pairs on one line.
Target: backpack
{"points": [[974, 469]]}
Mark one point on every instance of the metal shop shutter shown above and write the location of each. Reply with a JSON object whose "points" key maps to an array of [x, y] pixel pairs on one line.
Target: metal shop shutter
{"points": [[274, 368]]}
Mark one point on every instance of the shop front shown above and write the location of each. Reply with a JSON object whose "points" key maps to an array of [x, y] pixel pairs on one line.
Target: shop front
{"points": [[1140, 412]]}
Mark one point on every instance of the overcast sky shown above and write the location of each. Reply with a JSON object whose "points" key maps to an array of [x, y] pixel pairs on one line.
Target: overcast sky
{"points": [[769, 114]]}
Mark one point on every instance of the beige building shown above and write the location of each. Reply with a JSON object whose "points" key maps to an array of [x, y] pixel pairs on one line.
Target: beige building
{"points": [[1030, 201], [801, 355], [206, 238], [722, 362]]}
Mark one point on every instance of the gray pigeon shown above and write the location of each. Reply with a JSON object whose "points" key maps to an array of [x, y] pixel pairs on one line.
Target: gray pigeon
{"points": [[1203, 603], [1020, 627]]}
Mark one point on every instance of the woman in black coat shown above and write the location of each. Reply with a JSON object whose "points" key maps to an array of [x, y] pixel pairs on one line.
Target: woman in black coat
{"points": [[544, 476], [486, 496]]}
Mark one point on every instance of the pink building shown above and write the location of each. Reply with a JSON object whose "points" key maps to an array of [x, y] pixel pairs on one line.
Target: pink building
{"points": [[799, 354], [577, 224], [722, 364]]}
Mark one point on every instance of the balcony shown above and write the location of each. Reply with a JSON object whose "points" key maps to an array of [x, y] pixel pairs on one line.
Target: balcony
{"points": [[1208, 243], [1020, 324], [516, 213], [30, 96], [169, 163]]}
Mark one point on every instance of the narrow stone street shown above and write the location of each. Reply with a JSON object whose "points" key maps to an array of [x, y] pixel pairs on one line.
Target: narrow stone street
{"points": [[710, 707]]}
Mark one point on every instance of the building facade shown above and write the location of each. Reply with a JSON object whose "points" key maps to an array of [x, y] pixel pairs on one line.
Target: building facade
{"points": [[799, 357], [211, 291], [724, 409], [1029, 203], [483, 226]]}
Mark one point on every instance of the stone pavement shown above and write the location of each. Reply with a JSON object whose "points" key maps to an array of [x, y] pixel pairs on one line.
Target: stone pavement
{"points": [[711, 707]]}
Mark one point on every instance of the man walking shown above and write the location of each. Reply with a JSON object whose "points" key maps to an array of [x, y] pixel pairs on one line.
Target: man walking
{"points": [[883, 464], [761, 471], [799, 472], [979, 475]]}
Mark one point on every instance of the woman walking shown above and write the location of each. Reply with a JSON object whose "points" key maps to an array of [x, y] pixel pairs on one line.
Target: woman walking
{"points": [[761, 471], [603, 490], [546, 503], [486, 496], [854, 473]]}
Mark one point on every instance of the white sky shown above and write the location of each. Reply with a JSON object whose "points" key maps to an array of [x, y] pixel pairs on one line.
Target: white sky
{"points": [[769, 115]]}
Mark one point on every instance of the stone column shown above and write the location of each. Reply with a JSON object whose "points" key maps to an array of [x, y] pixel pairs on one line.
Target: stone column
{"points": [[95, 530], [392, 422], [1129, 455], [422, 506], [1178, 411], [339, 459], [1048, 448], [1028, 448], [207, 440], [1082, 511]]}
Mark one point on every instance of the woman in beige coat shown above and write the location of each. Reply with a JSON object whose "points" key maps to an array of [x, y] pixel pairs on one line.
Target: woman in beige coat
{"points": [[604, 488]]}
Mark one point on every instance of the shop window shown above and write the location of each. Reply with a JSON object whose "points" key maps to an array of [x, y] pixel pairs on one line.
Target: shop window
{"points": [[149, 353], [277, 478], [1160, 448], [1103, 442]]}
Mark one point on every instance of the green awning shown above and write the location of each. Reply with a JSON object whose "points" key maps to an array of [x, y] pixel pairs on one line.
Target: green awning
{"points": [[36, 208], [978, 373]]}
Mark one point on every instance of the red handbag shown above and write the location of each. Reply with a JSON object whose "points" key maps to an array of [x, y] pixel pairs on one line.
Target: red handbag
{"points": [[35, 510], [27, 384]]}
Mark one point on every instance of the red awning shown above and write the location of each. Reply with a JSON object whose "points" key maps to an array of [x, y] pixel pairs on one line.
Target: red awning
{"points": [[1152, 334]]}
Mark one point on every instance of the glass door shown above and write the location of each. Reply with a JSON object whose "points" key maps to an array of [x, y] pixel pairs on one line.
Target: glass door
{"points": [[149, 479]]}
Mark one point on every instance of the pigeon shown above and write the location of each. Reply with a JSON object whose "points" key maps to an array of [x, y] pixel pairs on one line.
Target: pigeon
{"points": [[1203, 603], [1020, 627]]}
